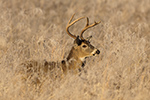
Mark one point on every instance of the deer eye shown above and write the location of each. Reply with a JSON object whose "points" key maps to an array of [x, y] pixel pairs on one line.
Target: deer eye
{"points": [[84, 46]]}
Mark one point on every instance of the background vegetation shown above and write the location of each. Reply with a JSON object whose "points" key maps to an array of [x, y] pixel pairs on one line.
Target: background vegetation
{"points": [[32, 29]]}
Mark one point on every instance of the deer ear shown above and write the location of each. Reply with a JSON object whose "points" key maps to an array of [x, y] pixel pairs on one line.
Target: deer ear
{"points": [[75, 45], [77, 41], [88, 38]]}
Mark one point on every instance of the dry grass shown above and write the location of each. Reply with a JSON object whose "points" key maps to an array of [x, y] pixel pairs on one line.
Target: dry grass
{"points": [[36, 30]]}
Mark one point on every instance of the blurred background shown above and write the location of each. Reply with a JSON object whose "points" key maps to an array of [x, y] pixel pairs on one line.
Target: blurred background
{"points": [[35, 30]]}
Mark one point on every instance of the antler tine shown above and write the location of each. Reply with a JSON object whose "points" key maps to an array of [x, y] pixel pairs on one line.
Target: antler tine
{"points": [[87, 24], [70, 24], [71, 18], [86, 27]]}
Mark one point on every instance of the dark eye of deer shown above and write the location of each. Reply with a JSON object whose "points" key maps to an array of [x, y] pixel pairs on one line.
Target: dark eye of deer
{"points": [[84, 46]]}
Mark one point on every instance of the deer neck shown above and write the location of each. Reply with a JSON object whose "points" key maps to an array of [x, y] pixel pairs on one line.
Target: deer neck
{"points": [[74, 60]]}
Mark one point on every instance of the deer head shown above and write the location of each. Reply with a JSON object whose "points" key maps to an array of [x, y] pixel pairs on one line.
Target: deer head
{"points": [[82, 47]]}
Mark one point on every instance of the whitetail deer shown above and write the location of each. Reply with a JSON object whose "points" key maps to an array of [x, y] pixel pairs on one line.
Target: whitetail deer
{"points": [[81, 48], [75, 60]]}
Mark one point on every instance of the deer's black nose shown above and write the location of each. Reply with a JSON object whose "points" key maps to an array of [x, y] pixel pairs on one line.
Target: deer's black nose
{"points": [[97, 52]]}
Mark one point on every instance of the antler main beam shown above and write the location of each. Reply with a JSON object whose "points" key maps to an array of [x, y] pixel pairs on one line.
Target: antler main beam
{"points": [[86, 27], [70, 24]]}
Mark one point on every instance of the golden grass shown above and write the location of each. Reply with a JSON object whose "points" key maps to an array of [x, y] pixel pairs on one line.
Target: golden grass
{"points": [[33, 29]]}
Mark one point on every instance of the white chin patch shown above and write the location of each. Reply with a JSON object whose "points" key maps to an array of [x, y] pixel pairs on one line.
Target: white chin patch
{"points": [[94, 52], [82, 59]]}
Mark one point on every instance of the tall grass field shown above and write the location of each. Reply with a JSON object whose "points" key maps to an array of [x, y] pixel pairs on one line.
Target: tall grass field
{"points": [[36, 30]]}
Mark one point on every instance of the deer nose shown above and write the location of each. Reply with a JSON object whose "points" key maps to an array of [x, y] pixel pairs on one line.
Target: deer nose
{"points": [[97, 52]]}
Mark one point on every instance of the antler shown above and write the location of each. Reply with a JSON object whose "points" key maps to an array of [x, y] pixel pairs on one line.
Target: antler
{"points": [[86, 27], [70, 24]]}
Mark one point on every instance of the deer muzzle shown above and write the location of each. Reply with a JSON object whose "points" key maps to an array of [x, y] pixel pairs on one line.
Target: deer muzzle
{"points": [[95, 52]]}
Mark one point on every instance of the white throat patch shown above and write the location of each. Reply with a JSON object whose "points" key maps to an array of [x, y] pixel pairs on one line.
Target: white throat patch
{"points": [[82, 59]]}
